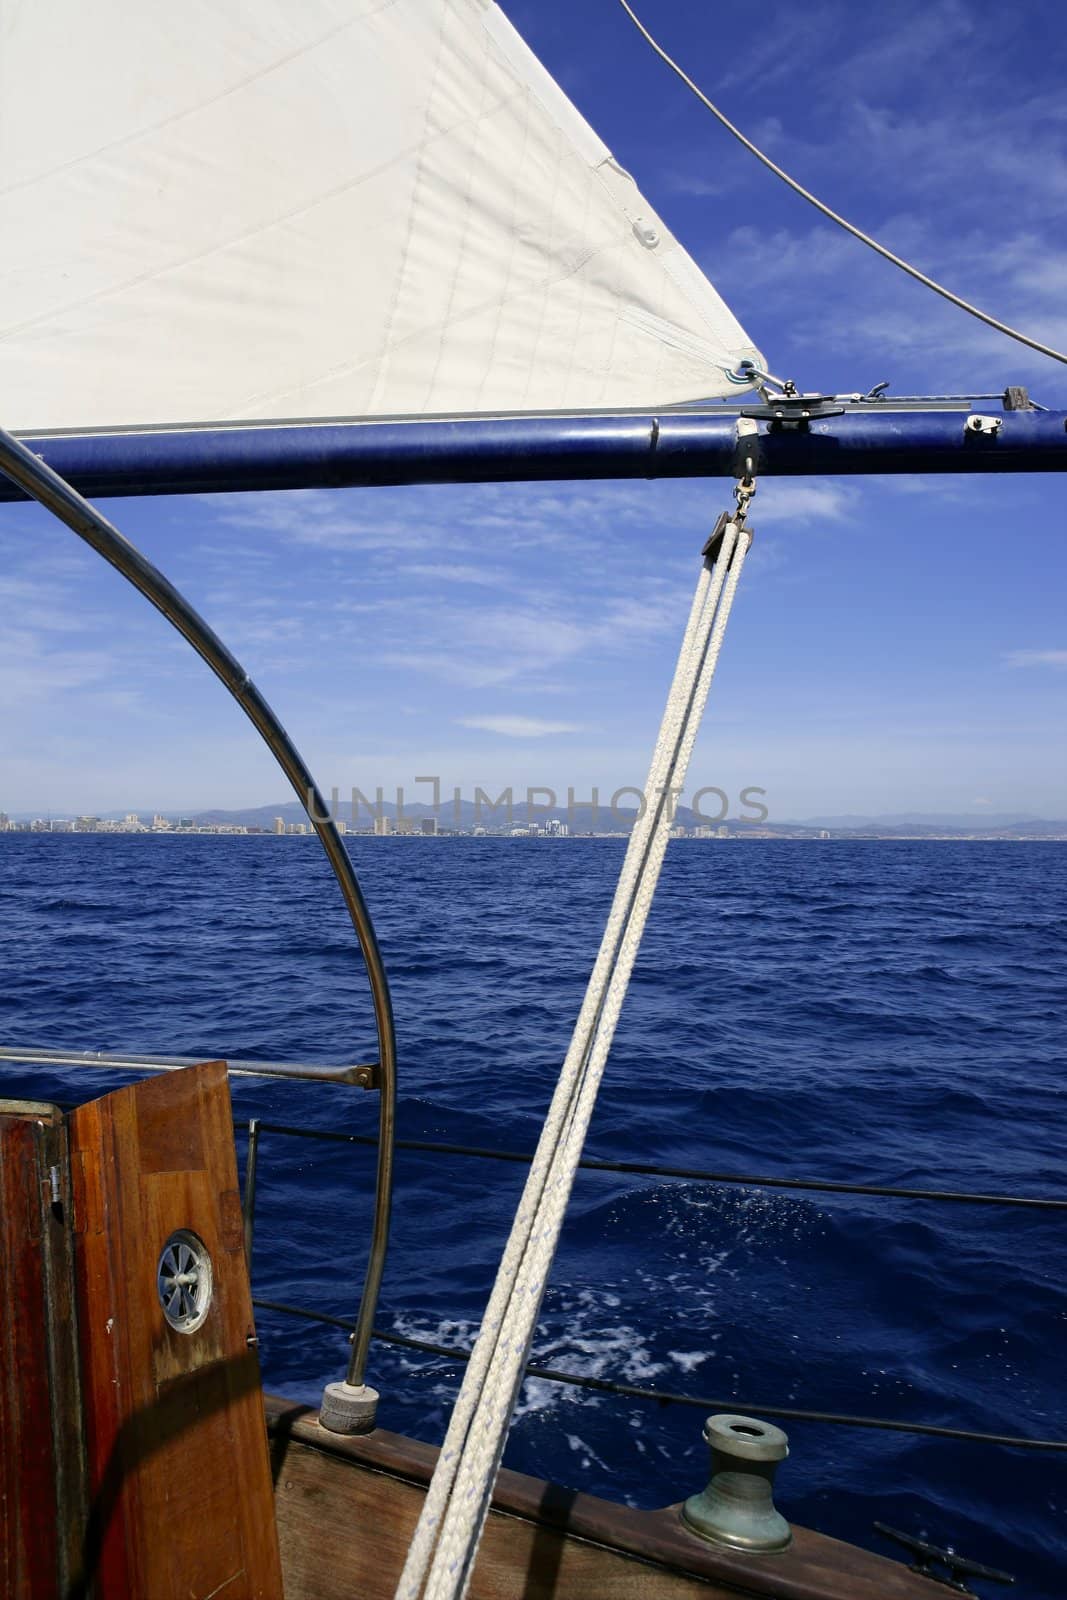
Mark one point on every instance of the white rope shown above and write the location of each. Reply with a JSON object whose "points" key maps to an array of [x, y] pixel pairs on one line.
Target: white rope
{"points": [[446, 1539], [842, 222]]}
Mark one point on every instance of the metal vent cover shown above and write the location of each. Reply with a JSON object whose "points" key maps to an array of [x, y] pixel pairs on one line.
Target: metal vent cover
{"points": [[184, 1281]]}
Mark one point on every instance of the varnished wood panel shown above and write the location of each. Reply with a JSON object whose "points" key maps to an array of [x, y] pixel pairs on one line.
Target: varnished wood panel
{"points": [[346, 1507], [179, 1480], [27, 1489], [344, 1532], [41, 1461]]}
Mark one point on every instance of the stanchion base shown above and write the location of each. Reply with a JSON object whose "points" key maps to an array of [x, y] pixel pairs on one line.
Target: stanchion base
{"points": [[348, 1408]]}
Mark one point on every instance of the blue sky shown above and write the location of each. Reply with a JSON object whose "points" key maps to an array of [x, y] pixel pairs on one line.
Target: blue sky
{"points": [[898, 644]]}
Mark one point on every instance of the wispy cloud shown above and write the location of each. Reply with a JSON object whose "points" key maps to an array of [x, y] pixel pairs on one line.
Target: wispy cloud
{"points": [[30, 670], [801, 503], [478, 647], [48, 607], [333, 521], [458, 572], [446, 668], [864, 312], [1036, 658], [511, 727], [696, 185]]}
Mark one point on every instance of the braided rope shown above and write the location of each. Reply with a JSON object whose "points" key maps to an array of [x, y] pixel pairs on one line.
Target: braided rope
{"points": [[446, 1539]]}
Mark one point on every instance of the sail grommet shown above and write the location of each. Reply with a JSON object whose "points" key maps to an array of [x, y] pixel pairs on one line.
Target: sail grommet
{"points": [[737, 1507], [348, 1408]]}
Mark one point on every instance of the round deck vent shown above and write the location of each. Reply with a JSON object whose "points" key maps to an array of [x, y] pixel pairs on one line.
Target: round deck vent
{"points": [[184, 1281]]}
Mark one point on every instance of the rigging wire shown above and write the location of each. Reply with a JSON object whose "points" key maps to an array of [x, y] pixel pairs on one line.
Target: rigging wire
{"points": [[842, 222]]}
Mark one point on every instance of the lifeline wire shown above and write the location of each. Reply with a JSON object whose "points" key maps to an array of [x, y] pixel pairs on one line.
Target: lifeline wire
{"points": [[667, 1397], [849, 227], [656, 1169], [446, 1539]]}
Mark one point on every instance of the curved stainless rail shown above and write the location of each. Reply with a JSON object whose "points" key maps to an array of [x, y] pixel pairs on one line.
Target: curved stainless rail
{"points": [[363, 1074], [38, 480]]}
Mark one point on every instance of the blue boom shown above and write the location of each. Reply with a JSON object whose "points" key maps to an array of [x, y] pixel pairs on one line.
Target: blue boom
{"points": [[678, 444]]}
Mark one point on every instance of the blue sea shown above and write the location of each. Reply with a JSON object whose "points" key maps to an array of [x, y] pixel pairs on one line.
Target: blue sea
{"points": [[876, 1012]]}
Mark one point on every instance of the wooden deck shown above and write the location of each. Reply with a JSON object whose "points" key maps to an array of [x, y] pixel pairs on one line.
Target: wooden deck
{"points": [[346, 1508]]}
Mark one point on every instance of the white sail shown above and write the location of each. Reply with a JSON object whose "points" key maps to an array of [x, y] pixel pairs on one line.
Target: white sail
{"points": [[240, 210]]}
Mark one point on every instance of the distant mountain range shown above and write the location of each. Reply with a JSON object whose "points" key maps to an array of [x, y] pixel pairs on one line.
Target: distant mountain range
{"points": [[970, 821]]}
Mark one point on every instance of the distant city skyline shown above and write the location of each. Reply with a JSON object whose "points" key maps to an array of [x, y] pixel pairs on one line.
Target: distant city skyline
{"points": [[504, 816]]}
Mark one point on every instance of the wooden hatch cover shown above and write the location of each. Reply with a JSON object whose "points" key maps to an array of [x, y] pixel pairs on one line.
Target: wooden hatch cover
{"points": [[180, 1503]]}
